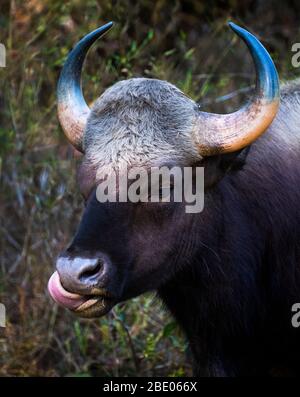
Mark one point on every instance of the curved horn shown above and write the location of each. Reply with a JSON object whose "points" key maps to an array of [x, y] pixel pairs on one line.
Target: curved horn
{"points": [[223, 133], [72, 108]]}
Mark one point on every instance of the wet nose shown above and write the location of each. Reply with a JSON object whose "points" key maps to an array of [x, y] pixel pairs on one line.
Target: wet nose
{"points": [[80, 274]]}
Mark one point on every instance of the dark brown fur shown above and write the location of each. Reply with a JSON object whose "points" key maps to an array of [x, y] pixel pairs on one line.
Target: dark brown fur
{"points": [[230, 274]]}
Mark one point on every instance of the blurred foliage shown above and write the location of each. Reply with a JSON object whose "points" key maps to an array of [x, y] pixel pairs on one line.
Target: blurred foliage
{"points": [[186, 42]]}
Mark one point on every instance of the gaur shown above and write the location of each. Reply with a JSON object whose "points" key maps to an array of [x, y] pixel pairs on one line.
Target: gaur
{"points": [[230, 274]]}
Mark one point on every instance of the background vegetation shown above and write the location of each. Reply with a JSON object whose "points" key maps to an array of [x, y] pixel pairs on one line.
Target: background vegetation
{"points": [[186, 42]]}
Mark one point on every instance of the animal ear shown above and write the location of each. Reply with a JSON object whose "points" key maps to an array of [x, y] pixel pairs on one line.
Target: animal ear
{"points": [[216, 167]]}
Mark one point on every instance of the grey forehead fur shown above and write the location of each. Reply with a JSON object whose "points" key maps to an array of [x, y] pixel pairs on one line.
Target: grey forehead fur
{"points": [[141, 122], [149, 122]]}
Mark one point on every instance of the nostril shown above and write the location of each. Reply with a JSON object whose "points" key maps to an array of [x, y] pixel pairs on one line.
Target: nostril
{"points": [[91, 270]]}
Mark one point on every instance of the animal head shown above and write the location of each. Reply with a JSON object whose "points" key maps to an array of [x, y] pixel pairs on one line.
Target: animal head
{"points": [[124, 249]]}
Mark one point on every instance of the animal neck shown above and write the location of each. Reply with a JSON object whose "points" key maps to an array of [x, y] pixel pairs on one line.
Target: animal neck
{"points": [[203, 295]]}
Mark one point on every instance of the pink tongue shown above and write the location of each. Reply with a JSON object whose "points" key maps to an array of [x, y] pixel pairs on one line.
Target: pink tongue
{"points": [[61, 296]]}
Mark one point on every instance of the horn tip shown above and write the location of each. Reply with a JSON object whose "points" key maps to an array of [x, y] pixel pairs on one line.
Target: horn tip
{"points": [[235, 27], [241, 32], [102, 29], [108, 25]]}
